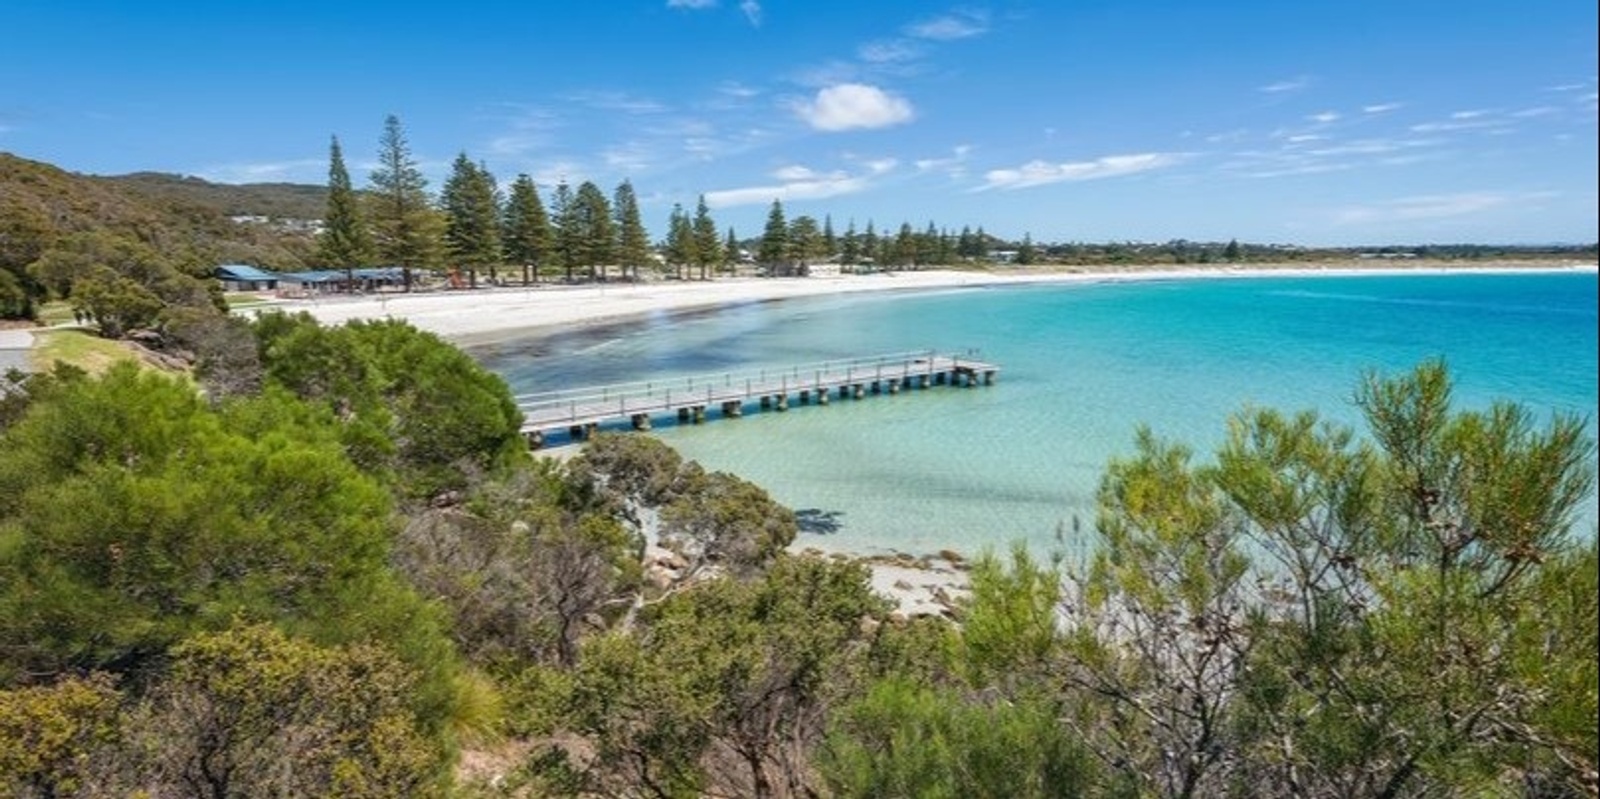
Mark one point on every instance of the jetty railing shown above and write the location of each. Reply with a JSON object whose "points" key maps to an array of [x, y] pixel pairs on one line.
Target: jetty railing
{"points": [[690, 395]]}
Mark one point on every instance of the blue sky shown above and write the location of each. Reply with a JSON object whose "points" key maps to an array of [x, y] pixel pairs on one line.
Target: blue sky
{"points": [[1323, 122]]}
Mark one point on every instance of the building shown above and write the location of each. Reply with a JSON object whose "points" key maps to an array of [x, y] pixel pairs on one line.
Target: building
{"points": [[242, 277]]}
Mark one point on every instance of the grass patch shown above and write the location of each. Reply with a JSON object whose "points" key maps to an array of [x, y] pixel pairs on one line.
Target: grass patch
{"points": [[246, 299], [79, 348], [55, 312]]}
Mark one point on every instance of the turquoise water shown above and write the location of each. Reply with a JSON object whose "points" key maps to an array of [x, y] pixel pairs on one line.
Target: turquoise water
{"points": [[1083, 365]]}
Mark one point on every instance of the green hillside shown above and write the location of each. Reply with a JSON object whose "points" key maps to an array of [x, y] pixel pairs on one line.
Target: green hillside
{"points": [[49, 215]]}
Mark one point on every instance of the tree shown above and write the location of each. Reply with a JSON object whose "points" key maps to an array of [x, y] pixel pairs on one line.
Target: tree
{"points": [[633, 242], [563, 213], [774, 252], [1231, 252], [850, 245], [805, 241], [250, 711], [406, 229], [680, 241], [1027, 255], [50, 735], [593, 235], [133, 514], [472, 212], [707, 247], [1320, 617], [730, 251], [345, 242], [529, 239], [407, 401]]}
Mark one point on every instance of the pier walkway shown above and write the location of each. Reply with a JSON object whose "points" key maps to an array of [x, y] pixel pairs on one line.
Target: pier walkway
{"points": [[581, 411]]}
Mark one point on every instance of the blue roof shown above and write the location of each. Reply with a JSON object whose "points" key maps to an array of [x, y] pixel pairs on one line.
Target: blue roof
{"points": [[336, 275], [244, 272]]}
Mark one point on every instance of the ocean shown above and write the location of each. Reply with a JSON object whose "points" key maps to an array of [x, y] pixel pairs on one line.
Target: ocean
{"points": [[1083, 366]]}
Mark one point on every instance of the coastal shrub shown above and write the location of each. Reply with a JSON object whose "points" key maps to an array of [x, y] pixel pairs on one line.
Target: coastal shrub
{"points": [[412, 403]]}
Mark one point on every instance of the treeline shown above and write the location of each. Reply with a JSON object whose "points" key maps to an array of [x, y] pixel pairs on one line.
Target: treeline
{"points": [[578, 232], [334, 568]]}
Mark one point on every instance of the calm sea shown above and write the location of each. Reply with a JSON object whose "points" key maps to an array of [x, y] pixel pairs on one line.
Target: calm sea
{"points": [[1083, 366]]}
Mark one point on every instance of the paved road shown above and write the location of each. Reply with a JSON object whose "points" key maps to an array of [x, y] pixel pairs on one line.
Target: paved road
{"points": [[14, 346]]}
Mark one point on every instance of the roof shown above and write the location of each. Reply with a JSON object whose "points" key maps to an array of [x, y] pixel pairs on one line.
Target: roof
{"points": [[337, 275], [244, 272]]}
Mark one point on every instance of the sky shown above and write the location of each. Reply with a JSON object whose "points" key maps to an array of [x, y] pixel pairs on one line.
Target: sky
{"points": [[1312, 122]]}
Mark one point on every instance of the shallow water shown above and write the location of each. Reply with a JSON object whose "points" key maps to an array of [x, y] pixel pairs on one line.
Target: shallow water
{"points": [[1083, 366]]}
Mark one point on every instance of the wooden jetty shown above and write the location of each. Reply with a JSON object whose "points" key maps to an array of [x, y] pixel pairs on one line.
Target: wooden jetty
{"points": [[581, 411]]}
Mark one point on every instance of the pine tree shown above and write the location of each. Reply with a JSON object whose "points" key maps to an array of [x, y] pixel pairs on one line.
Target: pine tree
{"points": [[706, 243], [1026, 254], [407, 231], [869, 245], [850, 246], [730, 251], [529, 239], [595, 235], [680, 241], [345, 242], [775, 240], [830, 242], [563, 212], [633, 242], [805, 241], [472, 213]]}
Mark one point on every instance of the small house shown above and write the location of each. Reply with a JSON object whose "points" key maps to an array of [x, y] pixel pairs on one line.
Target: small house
{"points": [[242, 277]]}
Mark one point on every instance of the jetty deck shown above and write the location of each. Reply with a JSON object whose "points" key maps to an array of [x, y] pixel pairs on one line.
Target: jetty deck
{"points": [[581, 411]]}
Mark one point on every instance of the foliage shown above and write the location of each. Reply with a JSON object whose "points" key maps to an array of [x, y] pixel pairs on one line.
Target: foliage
{"points": [[249, 711], [905, 739], [774, 238], [528, 237], [710, 519], [409, 401], [633, 243], [345, 242], [728, 685], [48, 734], [406, 229], [521, 569], [132, 515], [471, 205]]}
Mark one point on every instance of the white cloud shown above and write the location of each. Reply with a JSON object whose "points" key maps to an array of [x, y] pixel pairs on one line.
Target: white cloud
{"points": [[1458, 124], [296, 170], [950, 27], [822, 188], [795, 173], [1039, 173], [889, 51], [1379, 108], [1537, 111], [1473, 114], [1324, 117], [691, 4], [1302, 138], [848, 106], [1431, 206], [752, 11], [1566, 87], [617, 101], [1290, 85]]}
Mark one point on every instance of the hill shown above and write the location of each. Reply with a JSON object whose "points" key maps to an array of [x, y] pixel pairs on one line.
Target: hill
{"points": [[272, 200], [45, 209]]}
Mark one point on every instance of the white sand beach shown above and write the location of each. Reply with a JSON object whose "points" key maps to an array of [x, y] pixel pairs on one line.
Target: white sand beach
{"points": [[480, 316]]}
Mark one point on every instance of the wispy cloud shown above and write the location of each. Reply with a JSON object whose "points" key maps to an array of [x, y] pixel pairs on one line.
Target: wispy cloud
{"points": [[617, 101], [888, 51], [1040, 173], [752, 11], [1566, 87], [1324, 117], [1430, 206], [797, 182], [954, 165], [1472, 114], [851, 106], [1379, 108], [959, 25], [1289, 85], [750, 8], [295, 170], [527, 129]]}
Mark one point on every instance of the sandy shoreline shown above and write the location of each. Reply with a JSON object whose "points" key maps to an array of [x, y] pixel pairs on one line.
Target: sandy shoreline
{"points": [[486, 316]]}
